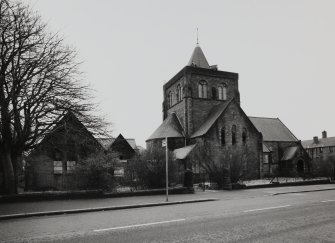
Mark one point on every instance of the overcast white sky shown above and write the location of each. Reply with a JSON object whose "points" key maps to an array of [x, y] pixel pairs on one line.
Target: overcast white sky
{"points": [[283, 50]]}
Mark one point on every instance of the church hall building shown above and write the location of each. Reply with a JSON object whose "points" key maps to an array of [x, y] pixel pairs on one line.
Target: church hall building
{"points": [[202, 112]]}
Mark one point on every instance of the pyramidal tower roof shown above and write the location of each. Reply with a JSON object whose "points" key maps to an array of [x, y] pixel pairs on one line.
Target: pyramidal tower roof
{"points": [[198, 58]]}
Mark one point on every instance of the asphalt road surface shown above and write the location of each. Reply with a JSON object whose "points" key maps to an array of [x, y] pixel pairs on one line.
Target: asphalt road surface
{"points": [[297, 217]]}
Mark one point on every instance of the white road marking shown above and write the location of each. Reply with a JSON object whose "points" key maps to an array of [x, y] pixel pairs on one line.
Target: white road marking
{"points": [[261, 209], [328, 201], [139, 225]]}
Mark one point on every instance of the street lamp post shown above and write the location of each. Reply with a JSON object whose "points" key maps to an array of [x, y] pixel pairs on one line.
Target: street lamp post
{"points": [[167, 169]]}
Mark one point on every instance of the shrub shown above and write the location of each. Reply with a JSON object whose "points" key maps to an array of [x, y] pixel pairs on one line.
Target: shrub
{"points": [[96, 172], [150, 168]]}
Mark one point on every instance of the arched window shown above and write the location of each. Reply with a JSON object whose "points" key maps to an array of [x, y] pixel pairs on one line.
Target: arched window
{"points": [[171, 98], [179, 93], [244, 135], [233, 135], [223, 136], [214, 93], [233, 115], [202, 88], [222, 92]]}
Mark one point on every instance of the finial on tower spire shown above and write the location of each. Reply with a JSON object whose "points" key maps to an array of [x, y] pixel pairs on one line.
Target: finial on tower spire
{"points": [[197, 36]]}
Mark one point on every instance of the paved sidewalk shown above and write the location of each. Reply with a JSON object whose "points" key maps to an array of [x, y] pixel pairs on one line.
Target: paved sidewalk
{"points": [[79, 204]]}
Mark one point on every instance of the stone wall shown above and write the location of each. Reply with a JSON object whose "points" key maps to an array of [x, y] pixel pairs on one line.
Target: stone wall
{"points": [[247, 153], [191, 110]]}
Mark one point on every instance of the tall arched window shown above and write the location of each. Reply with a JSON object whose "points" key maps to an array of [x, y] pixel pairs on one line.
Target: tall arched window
{"points": [[244, 135], [213, 93], [233, 135], [179, 93], [202, 88], [222, 92], [223, 136], [171, 98]]}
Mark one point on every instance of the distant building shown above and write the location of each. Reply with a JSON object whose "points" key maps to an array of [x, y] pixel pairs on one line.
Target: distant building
{"points": [[52, 163], [282, 151], [125, 148], [201, 106], [318, 148]]}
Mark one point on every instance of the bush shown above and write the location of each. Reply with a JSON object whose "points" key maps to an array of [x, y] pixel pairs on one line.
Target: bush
{"points": [[96, 172], [150, 169]]}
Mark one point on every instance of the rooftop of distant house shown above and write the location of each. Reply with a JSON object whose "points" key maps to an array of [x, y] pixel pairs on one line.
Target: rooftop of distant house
{"points": [[317, 142]]}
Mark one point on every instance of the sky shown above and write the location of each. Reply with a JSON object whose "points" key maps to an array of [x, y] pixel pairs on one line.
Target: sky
{"points": [[283, 50]]}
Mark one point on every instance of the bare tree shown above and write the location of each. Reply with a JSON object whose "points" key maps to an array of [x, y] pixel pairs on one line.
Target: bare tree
{"points": [[218, 164], [39, 83]]}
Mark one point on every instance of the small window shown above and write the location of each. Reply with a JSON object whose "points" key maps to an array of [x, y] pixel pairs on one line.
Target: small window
{"points": [[71, 165], [214, 93], [223, 136], [119, 172], [233, 135], [196, 167], [244, 135], [58, 167], [202, 89], [266, 158], [234, 115]]}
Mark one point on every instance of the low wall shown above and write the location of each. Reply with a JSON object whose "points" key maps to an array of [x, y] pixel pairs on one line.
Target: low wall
{"points": [[61, 195]]}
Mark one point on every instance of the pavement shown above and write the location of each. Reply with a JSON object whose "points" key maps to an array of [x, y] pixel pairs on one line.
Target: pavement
{"points": [[56, 207], [260, 217]]}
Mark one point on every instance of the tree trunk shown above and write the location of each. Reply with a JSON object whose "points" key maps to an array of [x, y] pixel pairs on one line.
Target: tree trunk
{"points": [[16, 162], [8, 173]]}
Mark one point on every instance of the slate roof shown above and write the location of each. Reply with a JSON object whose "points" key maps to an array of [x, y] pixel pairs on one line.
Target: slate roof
{"points": [[107, 142], [290, 152], [323, 142], [272, 129], [170, 127], [132, 142], [211, 119], [182, 153], [266, 149], [198, 58]]}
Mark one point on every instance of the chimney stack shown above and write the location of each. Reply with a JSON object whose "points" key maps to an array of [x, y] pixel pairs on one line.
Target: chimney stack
{"points": [[316, 139], [324, 134]]}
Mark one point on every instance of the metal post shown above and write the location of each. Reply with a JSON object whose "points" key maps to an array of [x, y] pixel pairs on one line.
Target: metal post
{"points": [[167, 170]]}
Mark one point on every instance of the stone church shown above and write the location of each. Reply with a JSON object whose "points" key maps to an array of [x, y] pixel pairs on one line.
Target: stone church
{"points": [[201, 108]]}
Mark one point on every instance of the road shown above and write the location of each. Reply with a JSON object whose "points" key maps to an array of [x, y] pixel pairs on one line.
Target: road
{"points": [[297, 217]]}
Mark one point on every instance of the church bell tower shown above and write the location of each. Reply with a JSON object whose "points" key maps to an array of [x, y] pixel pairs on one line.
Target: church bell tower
{"points": [[196, 89]]}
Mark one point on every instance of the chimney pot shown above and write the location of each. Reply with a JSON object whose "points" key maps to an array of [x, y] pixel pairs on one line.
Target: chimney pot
{"points": [[316, 139], [324, 134]]}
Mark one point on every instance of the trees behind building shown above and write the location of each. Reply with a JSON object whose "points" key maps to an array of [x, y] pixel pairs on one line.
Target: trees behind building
{"points": [[39, 83], [149, 169]]}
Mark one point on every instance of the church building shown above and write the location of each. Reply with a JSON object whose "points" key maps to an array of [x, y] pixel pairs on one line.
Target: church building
{"points": [[201, 109]]}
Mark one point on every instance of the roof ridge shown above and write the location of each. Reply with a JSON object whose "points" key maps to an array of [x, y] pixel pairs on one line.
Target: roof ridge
{"points": [[261, 117], [318, 138], [206, 125]]}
